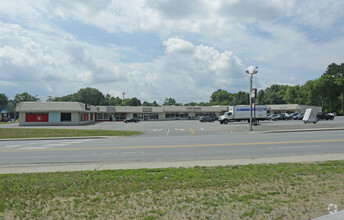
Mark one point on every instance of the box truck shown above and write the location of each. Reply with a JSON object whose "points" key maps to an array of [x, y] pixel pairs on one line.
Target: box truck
{"points": [[242, 113]]}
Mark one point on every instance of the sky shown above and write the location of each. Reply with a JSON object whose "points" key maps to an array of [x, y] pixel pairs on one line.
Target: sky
{"points": [[157, 49]]}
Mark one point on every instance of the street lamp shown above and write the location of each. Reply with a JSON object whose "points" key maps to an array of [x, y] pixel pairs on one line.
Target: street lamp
{"points": [[251, 70]]}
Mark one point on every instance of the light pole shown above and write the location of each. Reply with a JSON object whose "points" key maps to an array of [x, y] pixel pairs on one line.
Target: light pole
{"points": [[251, 70]]}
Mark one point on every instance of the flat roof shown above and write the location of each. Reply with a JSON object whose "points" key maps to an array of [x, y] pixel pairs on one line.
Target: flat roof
{"points": [[54, 107]]}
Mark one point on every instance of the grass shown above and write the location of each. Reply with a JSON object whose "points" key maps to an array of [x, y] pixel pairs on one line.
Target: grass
{"points": [[43, 133], [278, 191]]}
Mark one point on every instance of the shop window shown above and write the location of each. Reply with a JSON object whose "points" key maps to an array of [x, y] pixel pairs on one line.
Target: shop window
{"points": [[120, 116], [66, 117], [100, 116]]}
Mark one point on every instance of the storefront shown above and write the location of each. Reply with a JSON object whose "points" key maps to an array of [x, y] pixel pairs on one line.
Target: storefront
{"points": [[75, 113], [55, 113], [291, 108]]}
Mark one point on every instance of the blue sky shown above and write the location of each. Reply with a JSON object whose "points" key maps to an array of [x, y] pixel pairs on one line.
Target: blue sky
{"points": [[153, 49]]}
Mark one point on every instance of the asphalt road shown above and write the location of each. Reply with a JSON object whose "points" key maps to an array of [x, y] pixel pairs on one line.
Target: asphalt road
{"points": [[177, 142]]}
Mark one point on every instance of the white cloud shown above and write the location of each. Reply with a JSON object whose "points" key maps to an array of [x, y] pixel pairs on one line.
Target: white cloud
{"points": [[193, 71], [205, 45]]}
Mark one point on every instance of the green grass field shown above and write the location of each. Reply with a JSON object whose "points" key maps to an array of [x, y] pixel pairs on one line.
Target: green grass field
{"points": [[278, 191], [44, 133]]}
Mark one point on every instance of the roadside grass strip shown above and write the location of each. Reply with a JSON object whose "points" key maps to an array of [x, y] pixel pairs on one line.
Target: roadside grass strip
{"points": [[6, 133], [257, 191]]}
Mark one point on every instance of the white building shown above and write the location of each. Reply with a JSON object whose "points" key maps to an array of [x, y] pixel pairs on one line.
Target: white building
{"points": [[55, 113]]}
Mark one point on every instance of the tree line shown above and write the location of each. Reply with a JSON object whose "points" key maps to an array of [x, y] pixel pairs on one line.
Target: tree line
{"points": [[326, 91]]}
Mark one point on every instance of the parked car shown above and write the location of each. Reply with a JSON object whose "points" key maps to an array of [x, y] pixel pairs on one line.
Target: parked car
{"points": [[131, 120], [296, 117], [270, 116], [293, 115], [325, 116], [206, 119], [279, 117], [288, 117], [300, 116]]}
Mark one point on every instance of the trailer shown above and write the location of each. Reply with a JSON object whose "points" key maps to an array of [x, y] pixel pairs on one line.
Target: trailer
{"points": [[242, 113]]}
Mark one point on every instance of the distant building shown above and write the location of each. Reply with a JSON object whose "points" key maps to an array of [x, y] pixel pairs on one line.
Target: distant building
{"points": [[76, 113], [291, 108]]}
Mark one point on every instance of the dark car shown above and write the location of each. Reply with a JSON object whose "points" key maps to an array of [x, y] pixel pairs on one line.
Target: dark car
{"points": [[287, 116], [206, 119], [296, 117], [279, 117], [131, 120], [325, 116], [300, 116], [269, 117], [293, 115]]}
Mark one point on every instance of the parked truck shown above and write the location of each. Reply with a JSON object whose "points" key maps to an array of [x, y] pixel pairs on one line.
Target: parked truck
{"points": [[242, 113]]}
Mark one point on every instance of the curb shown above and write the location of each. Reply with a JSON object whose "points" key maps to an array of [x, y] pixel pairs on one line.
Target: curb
{"points": [[301, 130]]}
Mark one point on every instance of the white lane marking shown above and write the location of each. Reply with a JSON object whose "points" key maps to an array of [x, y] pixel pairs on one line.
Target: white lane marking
{"points": [[32, 148], [9, 146], [179, 129], [116, 153], [77, 141], [54, 145], [158, 129], [168, 131], [202, 129], [298, 147]]}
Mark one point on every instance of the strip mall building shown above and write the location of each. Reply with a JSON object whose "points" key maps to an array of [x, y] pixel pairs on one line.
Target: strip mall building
{"points": [[76, 113]]}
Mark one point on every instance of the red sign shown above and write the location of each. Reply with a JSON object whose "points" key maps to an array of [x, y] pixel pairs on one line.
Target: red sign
{"points": [[37, 117]]}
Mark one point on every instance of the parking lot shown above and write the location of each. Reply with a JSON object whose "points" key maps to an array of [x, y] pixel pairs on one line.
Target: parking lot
{"points": [[195, 127]]}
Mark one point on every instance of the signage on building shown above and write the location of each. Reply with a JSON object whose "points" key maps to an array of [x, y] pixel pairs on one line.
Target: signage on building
{"points": [[87, 106], [147, 109], [110, 108], [193, 108]]}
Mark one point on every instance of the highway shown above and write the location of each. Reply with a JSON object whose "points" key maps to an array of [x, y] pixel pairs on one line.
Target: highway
{"points": [[180, 141]]}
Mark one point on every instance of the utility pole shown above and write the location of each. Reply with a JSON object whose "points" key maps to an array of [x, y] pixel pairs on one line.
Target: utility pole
{"points": [[251, 72]]}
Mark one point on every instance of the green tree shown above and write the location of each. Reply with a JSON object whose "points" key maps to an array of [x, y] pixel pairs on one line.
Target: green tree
{"points": [[68, 98], [11, 106], [170, 101], [153, 104], [336, 101], [25, 97], [145, 103], [240, 98], [309, 95], [131, 102], [3, 101], [328, 91], [191, 104], [274, 94], [220, 97], [86, 95], [260, 98], [90, 96], [292, 95], [110, 100]]}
